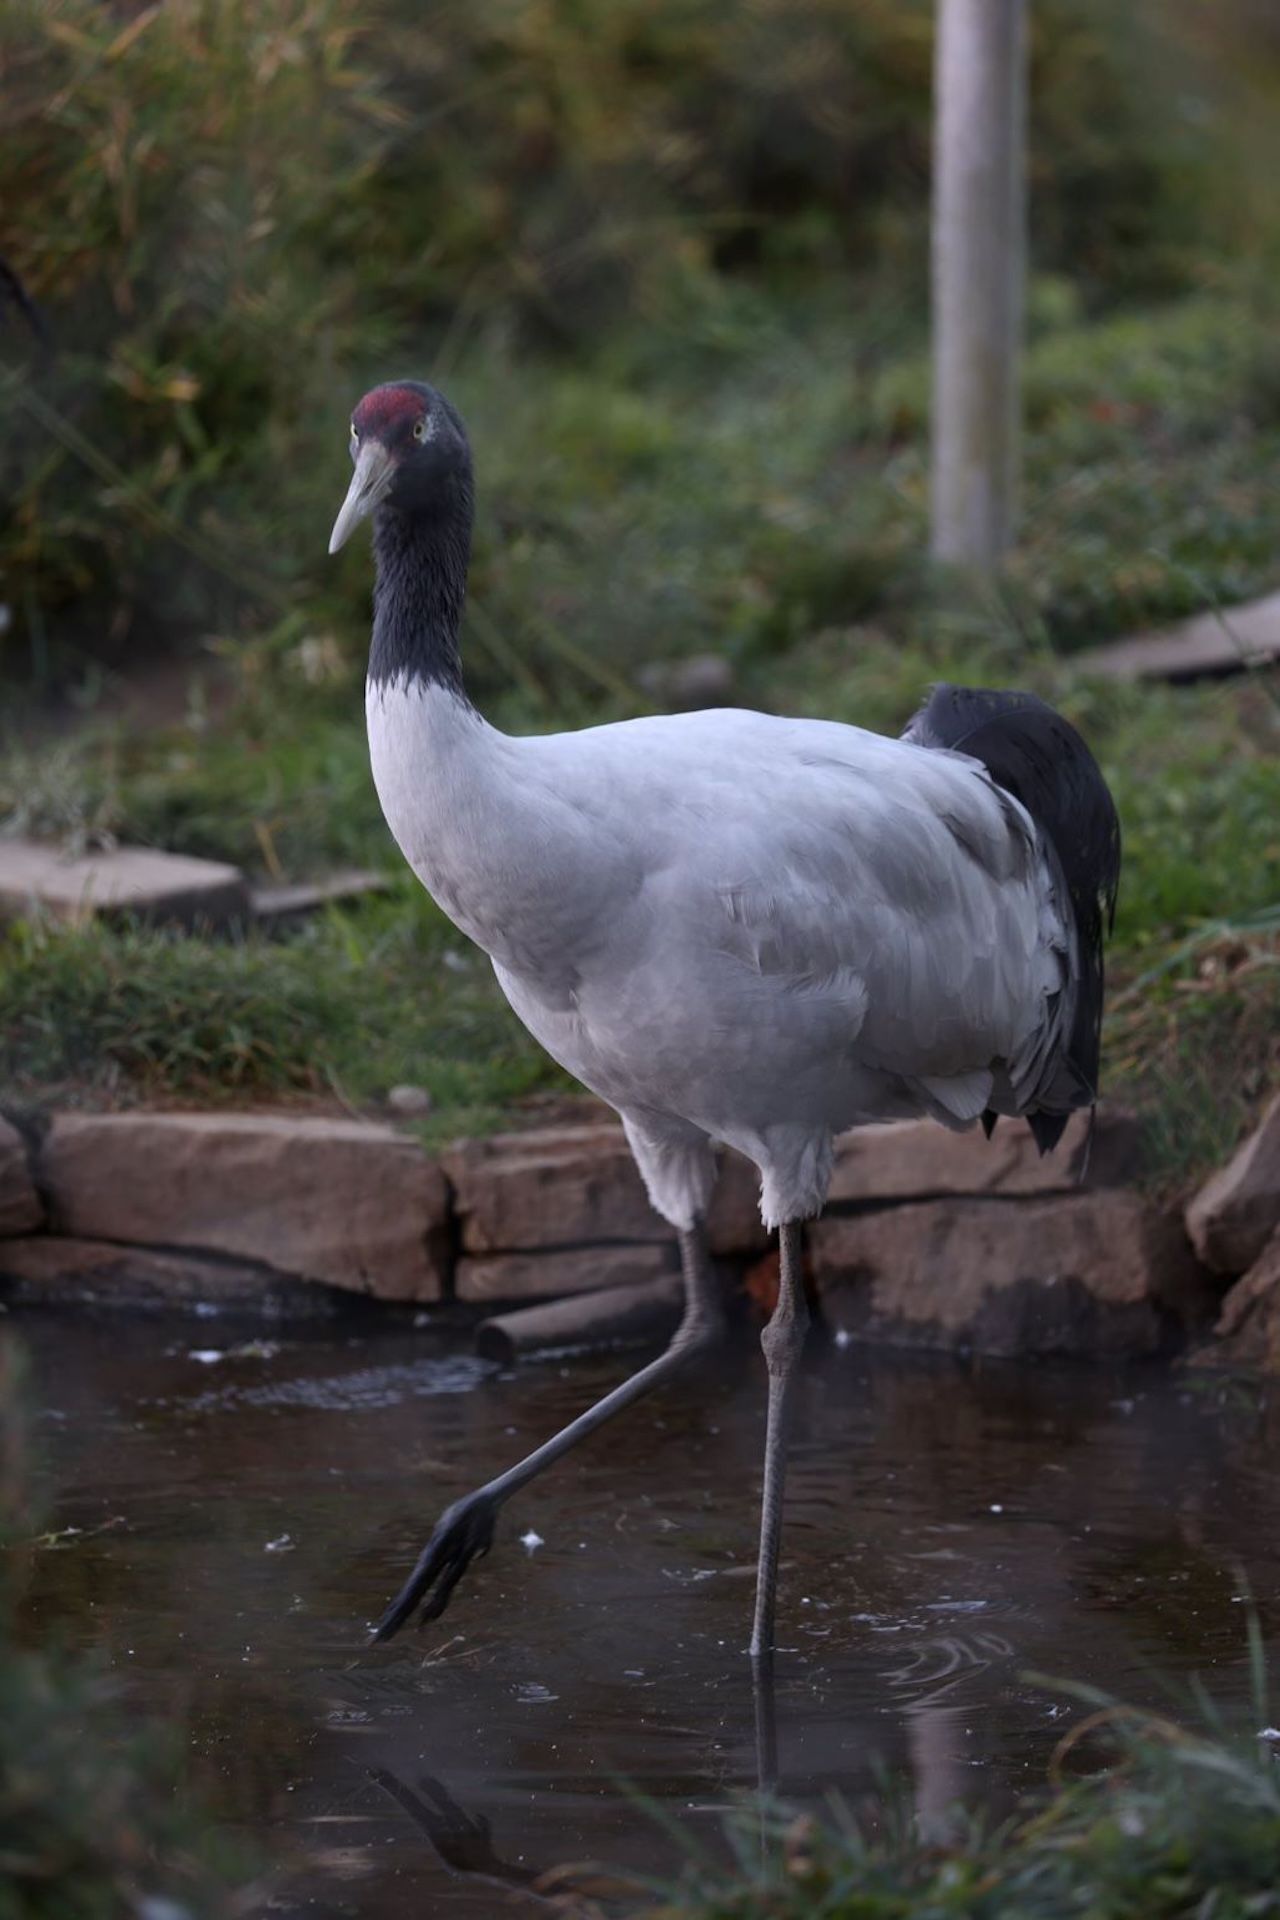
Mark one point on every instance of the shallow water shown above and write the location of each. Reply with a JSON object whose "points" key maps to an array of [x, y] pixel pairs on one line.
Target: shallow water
{"points": [[242, 1514]]}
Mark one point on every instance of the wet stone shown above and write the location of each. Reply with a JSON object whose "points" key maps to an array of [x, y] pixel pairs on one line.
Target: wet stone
{"points": [[1088, 1274], [52, 1270]]}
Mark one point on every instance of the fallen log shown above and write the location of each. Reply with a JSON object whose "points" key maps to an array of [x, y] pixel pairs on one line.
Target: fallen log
{"points": [[611, 1317]]}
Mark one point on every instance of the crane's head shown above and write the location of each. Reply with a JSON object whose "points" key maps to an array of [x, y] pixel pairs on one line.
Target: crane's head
{"points": [[410, 451]]}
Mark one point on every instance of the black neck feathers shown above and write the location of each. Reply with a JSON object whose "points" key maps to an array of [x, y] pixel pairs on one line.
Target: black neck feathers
{"points": [[421, 553]]}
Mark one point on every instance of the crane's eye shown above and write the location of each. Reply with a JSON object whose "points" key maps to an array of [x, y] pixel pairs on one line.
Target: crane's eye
{"points": [[355, 431], [420, 429]]}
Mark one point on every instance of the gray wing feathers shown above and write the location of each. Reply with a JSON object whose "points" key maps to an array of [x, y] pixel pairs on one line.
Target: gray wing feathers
{"points": [[925, 905], [820, 901]]}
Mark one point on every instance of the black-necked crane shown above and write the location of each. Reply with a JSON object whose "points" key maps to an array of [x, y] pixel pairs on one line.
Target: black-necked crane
{"points": [[732, 927]]}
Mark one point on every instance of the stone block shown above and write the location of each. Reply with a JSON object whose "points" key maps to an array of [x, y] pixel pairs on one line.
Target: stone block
{"points": [[555, 1271], [551, 1187], [1206, 646], [170, 887], [575, 1185], [918, 1159], [1086, 1274], [1237, 1210], [343, 1201], [1247, 1336]]}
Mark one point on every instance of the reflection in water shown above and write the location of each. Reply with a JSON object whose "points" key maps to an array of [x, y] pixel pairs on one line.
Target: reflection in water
{"points": [[461, 1841], [949, 1528]]}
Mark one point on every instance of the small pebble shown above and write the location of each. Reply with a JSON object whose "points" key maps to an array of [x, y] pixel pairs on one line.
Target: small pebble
{"points": [[409, 1101], [531, 1541]]}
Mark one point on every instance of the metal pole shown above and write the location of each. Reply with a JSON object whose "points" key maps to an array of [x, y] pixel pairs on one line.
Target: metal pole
{"points": [[979, 267]]}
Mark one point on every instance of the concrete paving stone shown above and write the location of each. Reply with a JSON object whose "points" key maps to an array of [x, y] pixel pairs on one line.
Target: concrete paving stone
{"points": [[157, 887]]}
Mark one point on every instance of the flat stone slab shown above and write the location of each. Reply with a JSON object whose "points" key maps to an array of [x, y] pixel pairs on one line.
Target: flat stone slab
{"points": [[347, 1202], [1204, 647], [552, 1187], [1237, 1210], [49, 1269], [567, 1186], [291, 900], [558, 1271], [20, 1208], [169, 887], [1086, 1274], [918, 1159]]}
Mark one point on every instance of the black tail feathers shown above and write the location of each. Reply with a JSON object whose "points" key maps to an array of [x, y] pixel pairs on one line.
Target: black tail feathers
{"points": [[1039, 758]]}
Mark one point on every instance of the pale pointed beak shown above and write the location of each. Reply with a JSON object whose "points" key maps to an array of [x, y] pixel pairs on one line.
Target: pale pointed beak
{"points": [[374, 472]]}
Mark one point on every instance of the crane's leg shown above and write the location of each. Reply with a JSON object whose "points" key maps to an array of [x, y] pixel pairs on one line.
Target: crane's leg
{"points": [[783, 1342], [465, 1531]]}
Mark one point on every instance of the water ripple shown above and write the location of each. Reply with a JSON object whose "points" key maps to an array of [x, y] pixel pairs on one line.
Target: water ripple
{"points": [[366, 1390]]}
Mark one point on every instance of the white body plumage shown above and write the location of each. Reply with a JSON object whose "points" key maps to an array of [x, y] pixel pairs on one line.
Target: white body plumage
{"points": [[741, 928]]}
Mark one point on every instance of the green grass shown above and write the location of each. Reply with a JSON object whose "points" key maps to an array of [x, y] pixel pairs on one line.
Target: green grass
{"points": [[1180, 1823], [356, 1002]]}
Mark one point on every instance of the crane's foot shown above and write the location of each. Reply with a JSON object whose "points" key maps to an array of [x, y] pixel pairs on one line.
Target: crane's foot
{"points": [[463, 1533]]}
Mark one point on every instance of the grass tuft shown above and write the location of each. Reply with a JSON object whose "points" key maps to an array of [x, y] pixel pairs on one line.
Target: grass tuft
{"points": [[1177, 1824]]}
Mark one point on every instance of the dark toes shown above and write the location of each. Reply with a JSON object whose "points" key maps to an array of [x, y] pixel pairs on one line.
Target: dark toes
{"points": [[463, 1534]]}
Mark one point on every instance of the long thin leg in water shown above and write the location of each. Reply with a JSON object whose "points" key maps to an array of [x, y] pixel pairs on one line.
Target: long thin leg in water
{"points": [[766, 1706], [783, 1342], [465, 1531]]}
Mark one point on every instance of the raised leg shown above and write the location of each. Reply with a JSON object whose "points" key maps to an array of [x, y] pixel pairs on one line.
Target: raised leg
{"points": [[783, 1342], [465, 1531]]}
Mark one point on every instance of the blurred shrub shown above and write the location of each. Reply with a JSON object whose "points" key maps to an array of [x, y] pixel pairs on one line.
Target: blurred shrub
{"points": [[230, 210]]}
